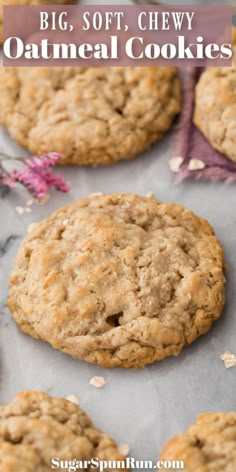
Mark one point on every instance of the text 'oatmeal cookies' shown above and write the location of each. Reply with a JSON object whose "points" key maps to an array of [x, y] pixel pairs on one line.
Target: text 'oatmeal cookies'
{"points": [[91, 116], [208, 445], [127, 281], [35, 428]]}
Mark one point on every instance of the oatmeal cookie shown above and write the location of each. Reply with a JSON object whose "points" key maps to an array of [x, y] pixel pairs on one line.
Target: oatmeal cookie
{"points": [[119, 280], [209, 445], [215, 106], [28, 2], [90, 116], [34, 428]]}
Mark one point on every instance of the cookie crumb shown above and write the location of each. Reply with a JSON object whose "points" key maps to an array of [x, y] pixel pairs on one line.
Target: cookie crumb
{"points": [[124, 449], [175, 164], [28, 210], [229, 359], [196, 164], [150, 195], [97, 382], [95, 194], [73, 399]]}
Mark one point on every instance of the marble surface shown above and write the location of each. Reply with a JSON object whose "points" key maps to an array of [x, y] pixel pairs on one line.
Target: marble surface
{"points": [[141, 407]]}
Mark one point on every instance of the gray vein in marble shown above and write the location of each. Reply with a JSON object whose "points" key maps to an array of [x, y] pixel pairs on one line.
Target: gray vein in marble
{"points": [[7, 243], [4, 191]]}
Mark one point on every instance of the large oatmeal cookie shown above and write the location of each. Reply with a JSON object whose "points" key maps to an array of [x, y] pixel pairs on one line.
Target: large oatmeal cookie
{"points": [[215, 107], [209, 445], [34, 428], [118, 280], [89, 115]]}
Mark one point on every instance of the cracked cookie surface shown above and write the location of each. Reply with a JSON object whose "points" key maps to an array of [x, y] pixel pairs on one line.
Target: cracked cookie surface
{"points": [[27, 2], [118, 280], [208, 445], [91, 116], [35, 427], [215, 106]]}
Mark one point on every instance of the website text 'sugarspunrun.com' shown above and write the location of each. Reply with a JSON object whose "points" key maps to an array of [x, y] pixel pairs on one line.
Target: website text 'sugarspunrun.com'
{"points": [[129, 463]]}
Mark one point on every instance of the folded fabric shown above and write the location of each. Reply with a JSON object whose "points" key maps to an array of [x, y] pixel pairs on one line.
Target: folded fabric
{"points": [[192, 155]]}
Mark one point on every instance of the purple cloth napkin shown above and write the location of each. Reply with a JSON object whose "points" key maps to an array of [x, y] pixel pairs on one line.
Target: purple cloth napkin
{"points": [[189, 143]]}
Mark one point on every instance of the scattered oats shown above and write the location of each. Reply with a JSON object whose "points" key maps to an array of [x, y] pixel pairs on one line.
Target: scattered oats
{"points": [[20, 210], [150, 195], [73, 399], [97, 382], [28, 210], [95, 194], [44, 199], [30, 202], [196, 164], [30, 227], [124, 449], [64, 222], [229, 359], [175, 164]]}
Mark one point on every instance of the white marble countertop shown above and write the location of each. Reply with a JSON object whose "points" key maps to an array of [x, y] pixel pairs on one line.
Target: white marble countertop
{"points": [[141, 407]]}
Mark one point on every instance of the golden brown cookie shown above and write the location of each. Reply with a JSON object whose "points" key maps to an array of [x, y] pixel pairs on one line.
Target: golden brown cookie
{"points": [[28, 2], [35, 428], [215, 107], [91, 116], [119, 280], [208, 445]]}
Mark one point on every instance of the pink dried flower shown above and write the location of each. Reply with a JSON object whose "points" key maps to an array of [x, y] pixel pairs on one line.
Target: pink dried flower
{"points": [[44, 161], [37, 175], [31, 180], [7, 180]]}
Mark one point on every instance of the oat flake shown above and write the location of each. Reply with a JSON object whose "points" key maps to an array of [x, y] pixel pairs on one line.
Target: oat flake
{"points": [[73, 399], [20, 210], [30, 227], [175, 164], [229, 359], [97, 382], [30, 202], [95, 194], [196, 164], [124, 449]]}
